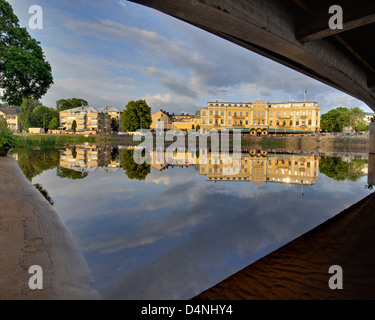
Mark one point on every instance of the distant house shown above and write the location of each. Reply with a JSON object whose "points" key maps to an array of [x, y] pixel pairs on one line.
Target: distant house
{"points": [[88, 120], [10, 114], [114, 113], [162, 116], [36, 130]]}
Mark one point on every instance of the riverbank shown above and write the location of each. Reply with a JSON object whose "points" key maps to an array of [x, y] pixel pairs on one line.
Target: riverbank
{"points": [[31, 233], [315, 144]]}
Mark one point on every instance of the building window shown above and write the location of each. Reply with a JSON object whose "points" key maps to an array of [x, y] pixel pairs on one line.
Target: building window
{"points": [[259, 114], [290, 122], [222, 121], [255, 113], [235, 114], [229, 113], [297, 113], [222, 113], [309, 122], [241, 114], [277, 122], [216, 113], [297, 123], [210, 121], [229, 121], [271, 123], [278, 114], [255, 122], [211, 113], [270, 114], [247, 114]]}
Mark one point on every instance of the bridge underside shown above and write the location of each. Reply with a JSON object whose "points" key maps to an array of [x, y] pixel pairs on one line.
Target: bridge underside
{"points": [[294, 33]]}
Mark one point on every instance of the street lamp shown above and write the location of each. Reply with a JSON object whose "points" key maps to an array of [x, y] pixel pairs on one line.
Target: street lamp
{"points": [[44, 125]]}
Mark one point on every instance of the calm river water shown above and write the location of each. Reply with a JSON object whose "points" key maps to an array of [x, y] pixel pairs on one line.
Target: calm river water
{"points": [[170, 231]]}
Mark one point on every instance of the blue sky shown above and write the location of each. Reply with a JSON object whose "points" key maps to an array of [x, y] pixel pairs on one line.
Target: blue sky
{"points": [[109, 52]]}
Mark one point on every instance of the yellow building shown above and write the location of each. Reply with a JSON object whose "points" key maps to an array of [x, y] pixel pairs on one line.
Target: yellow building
{"points": [[261, 118], [88, 120], [11, 116], [171, 121], [162, 116], [182, 122], [114, 113]]}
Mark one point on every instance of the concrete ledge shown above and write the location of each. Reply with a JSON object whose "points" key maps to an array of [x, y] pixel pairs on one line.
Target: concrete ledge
{"points": [[31, 233]]}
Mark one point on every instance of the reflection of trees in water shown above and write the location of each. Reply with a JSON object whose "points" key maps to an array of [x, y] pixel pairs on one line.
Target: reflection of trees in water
{"points": [[114, 153], [70, 173], [131, 168], [34, 161], [44, 193], [340, 170]]}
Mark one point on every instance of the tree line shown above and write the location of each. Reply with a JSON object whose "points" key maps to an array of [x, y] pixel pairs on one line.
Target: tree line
{"points": [[337, 119], [136, 115]]}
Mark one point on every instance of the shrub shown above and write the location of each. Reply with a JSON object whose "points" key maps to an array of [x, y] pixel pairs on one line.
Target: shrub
{"points": [[7, 139]]}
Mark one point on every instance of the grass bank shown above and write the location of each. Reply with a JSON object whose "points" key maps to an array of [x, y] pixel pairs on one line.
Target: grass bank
{"points": [[47, 140]]}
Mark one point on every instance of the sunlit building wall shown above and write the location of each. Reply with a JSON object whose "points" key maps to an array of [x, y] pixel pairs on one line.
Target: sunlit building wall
{"points": [[88, 120], [261, 118]]}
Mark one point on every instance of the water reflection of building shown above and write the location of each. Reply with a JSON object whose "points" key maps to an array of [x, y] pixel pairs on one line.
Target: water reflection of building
{"points": [[260, 167], [255, 166], [87, 157]]}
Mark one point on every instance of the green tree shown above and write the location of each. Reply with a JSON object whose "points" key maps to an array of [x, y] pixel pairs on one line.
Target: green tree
{"points": [[66, 104], [336, 119], [197, 127], [362, 127], [26, 110], [132, 169], [114, 125], [24, 72], [137, 115], [7, 139], [42, 116], [54, 123], [74, 126]]}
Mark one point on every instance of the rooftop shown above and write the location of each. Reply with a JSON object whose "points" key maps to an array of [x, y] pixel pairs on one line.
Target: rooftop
{"points": [[9, 110]]}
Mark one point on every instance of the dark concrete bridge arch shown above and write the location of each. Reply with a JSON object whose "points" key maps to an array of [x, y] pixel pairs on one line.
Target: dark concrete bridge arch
{"points": [[294, 33]]}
